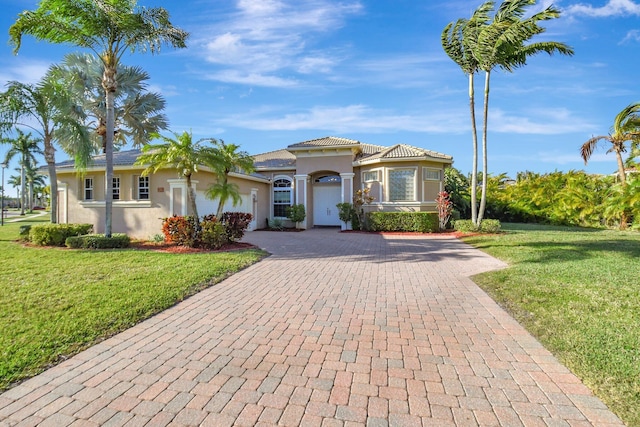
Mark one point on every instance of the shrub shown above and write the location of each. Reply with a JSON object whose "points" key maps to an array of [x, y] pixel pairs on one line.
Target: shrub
{"points": [[445, 207], [214, 233], [345, 211], [24, 232], [296, 213], [180, 230], [465, 226], [486, 226], [98, 241], [490, 226], [56, 234], [236, 223], [423, 222], [276, 224]]}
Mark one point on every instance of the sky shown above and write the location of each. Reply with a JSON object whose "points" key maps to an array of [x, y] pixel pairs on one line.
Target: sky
{"points": [[265, 74]]}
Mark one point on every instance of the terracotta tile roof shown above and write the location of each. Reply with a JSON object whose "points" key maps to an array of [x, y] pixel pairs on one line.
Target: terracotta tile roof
{"points": [[120, 158], [327, 141], [403, 151], [275, 159]]}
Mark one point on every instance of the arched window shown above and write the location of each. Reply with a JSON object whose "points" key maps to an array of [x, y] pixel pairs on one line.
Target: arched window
{"points": [[282, 197], [327, 179]]}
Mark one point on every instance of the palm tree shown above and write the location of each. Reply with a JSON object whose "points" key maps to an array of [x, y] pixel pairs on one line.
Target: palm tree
{"points": [[224, 159], [37, 107], [33, 180], [459, 41], [109, 28], [626, 127], [502, 44], [137, 112], [26, 147], [180, 153]]}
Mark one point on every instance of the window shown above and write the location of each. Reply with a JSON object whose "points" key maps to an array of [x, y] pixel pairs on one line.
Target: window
{"points": [[370, 176], [143, 188], [281, 197], [402, 185], [116, 188], [430, 174], [328, 179], [88, 188]]}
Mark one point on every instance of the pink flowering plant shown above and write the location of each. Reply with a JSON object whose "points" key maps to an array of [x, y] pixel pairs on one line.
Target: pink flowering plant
{"points": [[445, 207]]}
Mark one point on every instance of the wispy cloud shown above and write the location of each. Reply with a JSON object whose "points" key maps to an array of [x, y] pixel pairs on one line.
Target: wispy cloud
{"points": [[263, 40], [612, 8], [551, 121], [25, 71], [632, 36], [350, 118]]}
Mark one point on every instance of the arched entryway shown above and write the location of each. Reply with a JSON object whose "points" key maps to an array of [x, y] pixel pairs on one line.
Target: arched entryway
{"points": [[327, 193]]}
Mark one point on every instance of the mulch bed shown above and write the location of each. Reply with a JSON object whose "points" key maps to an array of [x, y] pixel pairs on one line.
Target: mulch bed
{"points": [[175, 249]]}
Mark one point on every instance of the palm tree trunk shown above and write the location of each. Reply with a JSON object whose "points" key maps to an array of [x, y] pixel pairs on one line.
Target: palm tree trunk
{"points": [[621, 171], [222, 199], [22, 188], [474, 166], [109, 84], [192, 200], [485, 163], [49, 155]]}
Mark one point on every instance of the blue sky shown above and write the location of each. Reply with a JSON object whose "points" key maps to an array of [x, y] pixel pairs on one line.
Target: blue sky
{"points": [[268, 73]]}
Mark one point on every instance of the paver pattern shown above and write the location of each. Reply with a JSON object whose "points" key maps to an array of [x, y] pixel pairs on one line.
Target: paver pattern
{"points": [[333, 329]]}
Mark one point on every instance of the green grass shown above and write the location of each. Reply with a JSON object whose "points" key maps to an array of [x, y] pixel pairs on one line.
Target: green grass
{"points": [[578, 291], [56, 302]]}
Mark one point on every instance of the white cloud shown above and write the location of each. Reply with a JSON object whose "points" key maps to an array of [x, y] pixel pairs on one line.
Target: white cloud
{"points": [[632, 36], [550, 121], [350, 118], [273, 36], [612, 8], [25, 71]]}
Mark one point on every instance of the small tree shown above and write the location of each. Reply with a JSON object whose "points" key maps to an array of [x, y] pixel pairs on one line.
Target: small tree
{"points": [[296, 213], [445, 207], [360, 199]]}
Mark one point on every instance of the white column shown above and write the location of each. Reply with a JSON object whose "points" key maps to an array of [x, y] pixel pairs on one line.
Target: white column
{"points": [[301, 193], [346, 193], [181, 184]]}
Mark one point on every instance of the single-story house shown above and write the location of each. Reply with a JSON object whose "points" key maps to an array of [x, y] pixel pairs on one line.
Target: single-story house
{"points": [[319, 174]]}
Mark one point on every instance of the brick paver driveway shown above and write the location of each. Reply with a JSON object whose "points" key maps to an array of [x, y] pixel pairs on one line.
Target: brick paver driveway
{"points": [[332, 329]]}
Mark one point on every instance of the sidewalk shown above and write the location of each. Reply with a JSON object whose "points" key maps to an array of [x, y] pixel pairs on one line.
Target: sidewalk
{"points": [[333, 329]]}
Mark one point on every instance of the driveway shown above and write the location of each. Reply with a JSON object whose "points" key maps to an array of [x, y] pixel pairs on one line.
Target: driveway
{"points": [[333, 329]]}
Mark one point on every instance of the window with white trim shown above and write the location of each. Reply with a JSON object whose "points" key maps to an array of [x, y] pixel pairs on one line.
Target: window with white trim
{"points": [[116, 188], [88, 189], [402, 185], [431, 174], [370, 176], [282, 197], [143, 188]]}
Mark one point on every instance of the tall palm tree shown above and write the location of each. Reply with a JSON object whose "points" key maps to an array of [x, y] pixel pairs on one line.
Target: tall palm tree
{"points": [[626, 127], [180, 153], [459, 41], [36, 106], [26, 147], [138, 113], [223, 159], [33, 180], [109, 28], [502, 44]]}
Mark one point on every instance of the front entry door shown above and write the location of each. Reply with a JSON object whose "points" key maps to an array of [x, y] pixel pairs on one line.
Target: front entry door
{"points": [[325, 199]]}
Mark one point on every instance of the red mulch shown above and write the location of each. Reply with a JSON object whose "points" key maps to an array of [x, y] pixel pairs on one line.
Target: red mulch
{"points": [[175, 249]]}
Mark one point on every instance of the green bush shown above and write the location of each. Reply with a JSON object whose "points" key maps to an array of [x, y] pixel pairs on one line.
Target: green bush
{"points": [[465, 226], [422, 222], [98, 241], [486, 226], [24, 232], [213, 233], [296, 213], [56, 234], [490, 226]]}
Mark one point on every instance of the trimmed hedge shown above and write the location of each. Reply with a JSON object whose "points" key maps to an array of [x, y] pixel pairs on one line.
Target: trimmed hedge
{"points": [[422, 222], [98, 241], [486, 226], [56, 234]]}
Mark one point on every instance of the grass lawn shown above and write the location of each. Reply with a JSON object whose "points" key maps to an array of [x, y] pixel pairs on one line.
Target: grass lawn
{"points": [[578, 291], [56, 302]]}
